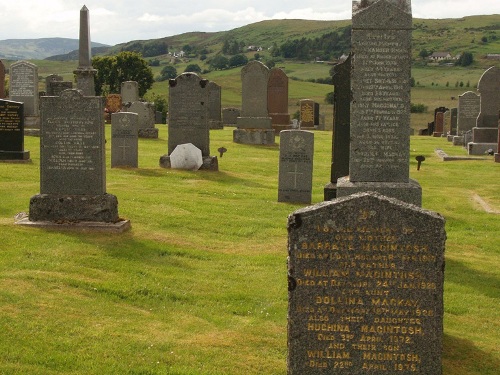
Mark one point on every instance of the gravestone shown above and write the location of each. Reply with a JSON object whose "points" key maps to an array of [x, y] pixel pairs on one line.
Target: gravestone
{"points": [[446, 122], [12, 132], [73, 165], [113, 103], [454, 121], [380, 104], [254, 126], [85, 73], [439, 124], [307, 108], [2, 80], [365, 287], [341, 126], [188, 118], [55, 85], [295, 166], [124, 140], [469, 105], [129, 92], [146, 119], [214, 106], [229, 116], [485, 133], [277, 100], [24, 89]]}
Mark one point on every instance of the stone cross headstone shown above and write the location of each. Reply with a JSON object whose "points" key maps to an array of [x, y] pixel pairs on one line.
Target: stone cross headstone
{"points": [[214, 106], [296, 166], [146, 113], [484, 134], [277, 100], [24, 86], [341, 126], [72, 162], [124, 140], [365, 288], [12, 131], [254, 126], [307, 109], [129, 92], [188, 118], [2, 80], [229, 116], [85, 73], [380, 106]]}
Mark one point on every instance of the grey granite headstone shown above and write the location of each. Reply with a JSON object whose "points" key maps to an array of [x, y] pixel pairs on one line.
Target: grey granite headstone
{"points": [[469, 105], [130, 91], [254, 125], [72, 162], [229, 116], [124, 140], [214, 106], [146, 118], [295, 166], [24, 86], [188, 117], [485, 133], [365, 288], [2, 80], [380, 106], [12, 131], [341, 126], [85, 73]]}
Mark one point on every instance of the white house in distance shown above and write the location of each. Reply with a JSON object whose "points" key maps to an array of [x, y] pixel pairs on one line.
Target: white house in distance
{"points": [[440, 56]]}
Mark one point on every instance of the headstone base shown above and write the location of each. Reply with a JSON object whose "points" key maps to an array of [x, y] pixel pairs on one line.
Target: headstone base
{"points": [[437, 134], [151, 133], [254, 122], [254, 136], [210, 163], [279, 128], [481, 148], [215, 125], [280, 119], [82, 226], [458, 140], [497, 158], [330, 191], [74, 208], [450, 137], [14, 155], [410, 192]]}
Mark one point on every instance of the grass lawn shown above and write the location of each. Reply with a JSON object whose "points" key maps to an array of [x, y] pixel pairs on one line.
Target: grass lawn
{"points": [[198, 285]]}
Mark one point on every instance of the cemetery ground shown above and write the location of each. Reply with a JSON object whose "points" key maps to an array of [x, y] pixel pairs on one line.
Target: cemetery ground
{"points": [[198, 285]]}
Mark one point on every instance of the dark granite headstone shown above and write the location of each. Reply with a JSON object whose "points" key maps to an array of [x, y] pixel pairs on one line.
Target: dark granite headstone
{"points": [[295, 166], [365, 288], [24, 86], [214, 106], [229, 116], [277, 97], [124, 140], [341, 126], [2, 80], [439, 125], [12, 131], [380, 105], [55, 85], [454, 121]]}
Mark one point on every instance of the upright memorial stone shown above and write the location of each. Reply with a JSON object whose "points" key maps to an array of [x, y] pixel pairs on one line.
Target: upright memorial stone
{"points": [[12, 132], [307, 114], [365, 289], [124, 140], [214, 106], [254, 126], [484, 134], [2, 80], [380, 106], [469, 105], [341, 126], [229, 116], [130, 92], [72, 165], [146, 113], [55, 85], [24, 89], [296, 166], [277, 100], [85, 73], [439, 124], [188, 118]]}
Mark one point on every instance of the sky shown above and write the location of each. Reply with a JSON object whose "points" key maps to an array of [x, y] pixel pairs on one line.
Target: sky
{"points": [[113, 22]]}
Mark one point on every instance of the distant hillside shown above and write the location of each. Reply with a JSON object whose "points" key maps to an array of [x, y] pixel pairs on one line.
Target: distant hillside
{"points": [[38, 49]]}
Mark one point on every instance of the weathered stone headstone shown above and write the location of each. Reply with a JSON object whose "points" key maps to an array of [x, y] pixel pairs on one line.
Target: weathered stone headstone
{"points": [[146, 113], [130, 92], [380, 106], [188, 118], [277, 100], [469, 105], [72, 162], [24, 86], [485, 133], [2, 80], [341, 126], [295, 166], [307, 109], [446, 122], [214, 106], [454, 121], [365, 288], [124, 140], [12, 131], [55, 85], [254, 126], [229, 116], [85, 73]]}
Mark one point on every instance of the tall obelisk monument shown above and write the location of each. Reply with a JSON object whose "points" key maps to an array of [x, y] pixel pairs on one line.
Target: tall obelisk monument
{"points": [[85, 73]]}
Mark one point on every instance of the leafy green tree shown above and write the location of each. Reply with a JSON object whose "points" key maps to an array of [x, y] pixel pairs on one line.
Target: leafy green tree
{"points": [[219, 62], [465, 59], [237, 60], [193, 68], [329, 98], [168, 72]]}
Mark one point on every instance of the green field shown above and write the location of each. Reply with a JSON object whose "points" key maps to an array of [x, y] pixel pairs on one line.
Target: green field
{"points": [[199, 285]]}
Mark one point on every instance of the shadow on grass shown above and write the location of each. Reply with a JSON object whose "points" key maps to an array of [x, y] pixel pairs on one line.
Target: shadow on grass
{"points": [[462, 357]]}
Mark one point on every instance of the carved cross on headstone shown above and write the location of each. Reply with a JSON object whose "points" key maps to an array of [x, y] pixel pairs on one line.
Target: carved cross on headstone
{"points": [[295, 174]]}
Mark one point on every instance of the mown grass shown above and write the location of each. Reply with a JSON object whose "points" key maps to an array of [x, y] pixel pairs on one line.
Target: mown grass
{"points": [[198, 285]]}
